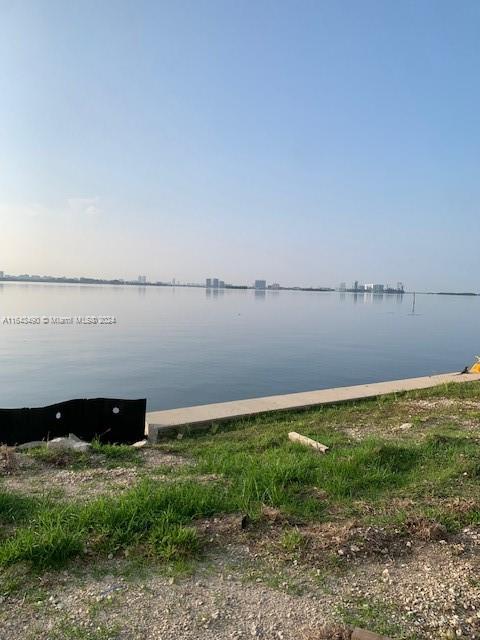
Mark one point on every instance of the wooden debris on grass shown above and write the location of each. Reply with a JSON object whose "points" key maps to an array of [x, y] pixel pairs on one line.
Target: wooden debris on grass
{"points": [[307, 442]]}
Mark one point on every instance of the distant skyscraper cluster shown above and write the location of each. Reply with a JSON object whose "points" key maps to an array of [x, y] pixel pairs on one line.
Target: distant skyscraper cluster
{"points": [[142, 279], [258, 285], [372, 288], [214, 283]]}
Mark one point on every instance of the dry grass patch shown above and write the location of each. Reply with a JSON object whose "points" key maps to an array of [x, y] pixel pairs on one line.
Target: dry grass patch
{"points": [[8, 461]]}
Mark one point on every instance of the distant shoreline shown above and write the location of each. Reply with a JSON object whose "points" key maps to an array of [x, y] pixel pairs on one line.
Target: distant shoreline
{"points": [[231, 287], [135, 283], [450, 293]]}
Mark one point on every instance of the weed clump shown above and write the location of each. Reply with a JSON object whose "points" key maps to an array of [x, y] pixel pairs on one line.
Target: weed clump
{"points": [[150, 514], [60, 457], [292, 540]]}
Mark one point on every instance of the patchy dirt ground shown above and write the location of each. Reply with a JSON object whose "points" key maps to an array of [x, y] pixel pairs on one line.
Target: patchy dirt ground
{"points": [[34, 477], [418, 584], [239, 591], [416, 417], [275, 578]]}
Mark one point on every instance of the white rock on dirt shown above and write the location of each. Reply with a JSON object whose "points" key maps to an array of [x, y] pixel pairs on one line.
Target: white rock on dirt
{"points": [[72, 442], [140, 444]]}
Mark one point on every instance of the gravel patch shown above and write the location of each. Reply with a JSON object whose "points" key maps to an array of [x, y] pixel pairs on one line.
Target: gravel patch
{"points": [[32, 477], [236, 593]]}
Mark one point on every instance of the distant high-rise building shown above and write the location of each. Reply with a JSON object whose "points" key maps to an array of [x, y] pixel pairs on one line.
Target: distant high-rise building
{"points": [[342, 286], [260, 284], [400, 286], [1, 274], [214, 283], [274, 286], [378, 288], [142, 279]]}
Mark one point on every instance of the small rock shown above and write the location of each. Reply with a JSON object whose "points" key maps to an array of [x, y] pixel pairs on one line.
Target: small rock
{"points": [[140, 444], [68, 443]]}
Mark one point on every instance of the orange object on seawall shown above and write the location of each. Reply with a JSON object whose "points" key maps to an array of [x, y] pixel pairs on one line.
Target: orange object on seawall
{"points": [[476, 367]]}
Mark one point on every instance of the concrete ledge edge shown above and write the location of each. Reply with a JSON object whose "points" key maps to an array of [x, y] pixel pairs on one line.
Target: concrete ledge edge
{"points": [[170, 422]]}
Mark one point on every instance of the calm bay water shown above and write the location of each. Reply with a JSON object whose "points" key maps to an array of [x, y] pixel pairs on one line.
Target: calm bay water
{"points": [[179, 347]]}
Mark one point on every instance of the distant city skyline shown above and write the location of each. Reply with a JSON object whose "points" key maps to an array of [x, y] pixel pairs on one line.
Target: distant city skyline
{"points": [[216, 284], [213, 283], [208, 282], [302, 141]]}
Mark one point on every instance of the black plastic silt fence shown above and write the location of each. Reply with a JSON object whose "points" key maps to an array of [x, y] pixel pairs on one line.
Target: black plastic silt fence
{"points": [[110, 420]]}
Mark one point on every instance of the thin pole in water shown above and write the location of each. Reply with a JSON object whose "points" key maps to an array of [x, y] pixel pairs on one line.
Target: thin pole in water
{"points": [[413, 305]]}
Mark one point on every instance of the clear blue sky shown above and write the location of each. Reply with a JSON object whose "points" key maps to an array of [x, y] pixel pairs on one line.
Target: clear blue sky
{"points": [[302, 142]]}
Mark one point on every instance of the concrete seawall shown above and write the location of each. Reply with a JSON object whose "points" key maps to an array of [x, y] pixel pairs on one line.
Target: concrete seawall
{"points": [[172, 421]]}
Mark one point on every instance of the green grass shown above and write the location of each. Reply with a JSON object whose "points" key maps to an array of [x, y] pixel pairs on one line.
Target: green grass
{"points": [[16, 508], [255, 465], [150, 514], [113, 455], [60, 457], [284, 475], [292, 540], [117, 454], [172, 541], [377, 617]]}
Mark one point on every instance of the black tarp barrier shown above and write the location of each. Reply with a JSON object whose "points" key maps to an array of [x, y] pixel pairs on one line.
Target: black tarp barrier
{"points": [[111, 420]]}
